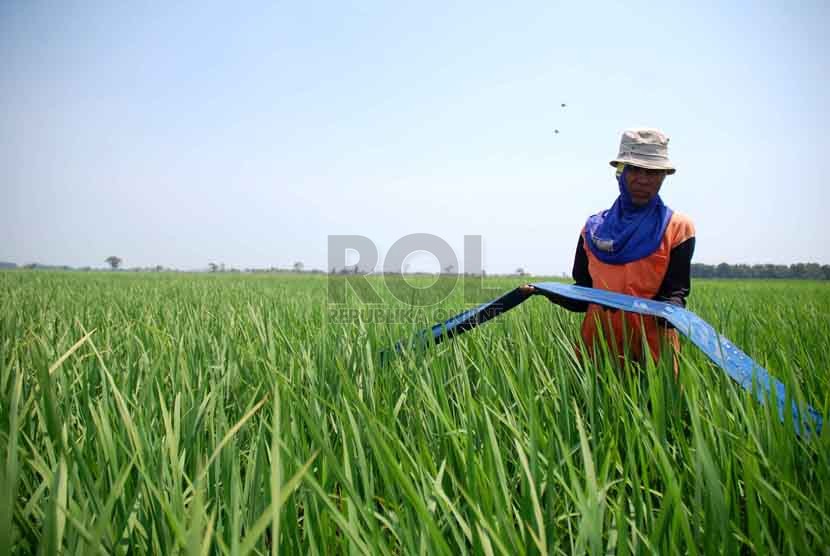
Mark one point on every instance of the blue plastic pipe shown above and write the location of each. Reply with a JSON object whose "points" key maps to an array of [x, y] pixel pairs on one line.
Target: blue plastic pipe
{"points": [[726, 355]]}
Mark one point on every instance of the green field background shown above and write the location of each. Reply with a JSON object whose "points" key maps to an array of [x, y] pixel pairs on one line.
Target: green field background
{"points": [[176, 413]]}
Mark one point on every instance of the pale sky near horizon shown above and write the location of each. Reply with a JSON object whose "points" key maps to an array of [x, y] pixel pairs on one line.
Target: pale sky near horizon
{"points": [[183, 133]]}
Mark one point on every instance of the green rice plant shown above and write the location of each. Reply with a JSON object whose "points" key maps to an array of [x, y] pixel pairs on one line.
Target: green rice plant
{"points": [[234, 414]]}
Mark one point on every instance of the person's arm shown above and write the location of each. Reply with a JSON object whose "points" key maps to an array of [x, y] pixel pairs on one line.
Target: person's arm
{"points": [[677, 283], [580, 272]]}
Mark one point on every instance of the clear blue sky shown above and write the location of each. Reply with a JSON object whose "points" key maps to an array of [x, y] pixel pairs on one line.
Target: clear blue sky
{"points": [[178, 134]]}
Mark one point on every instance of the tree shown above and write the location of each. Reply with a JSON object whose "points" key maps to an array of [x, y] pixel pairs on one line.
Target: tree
{"points": [[449, 268], [113, 261], [298, 266], [521, 271], [213, 267]]}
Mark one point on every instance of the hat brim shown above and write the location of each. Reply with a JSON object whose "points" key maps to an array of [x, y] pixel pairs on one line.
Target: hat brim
{"points": [[644, 164]]}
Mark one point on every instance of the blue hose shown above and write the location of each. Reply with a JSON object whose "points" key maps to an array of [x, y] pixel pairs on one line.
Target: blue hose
{"points": [[726, 355]]}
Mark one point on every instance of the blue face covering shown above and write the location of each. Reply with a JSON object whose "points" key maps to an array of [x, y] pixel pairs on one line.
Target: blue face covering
{"points": [[627, 232]]}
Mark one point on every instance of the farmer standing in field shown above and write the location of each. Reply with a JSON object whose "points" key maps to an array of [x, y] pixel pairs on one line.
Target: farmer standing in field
{"points": [[638, 247]]}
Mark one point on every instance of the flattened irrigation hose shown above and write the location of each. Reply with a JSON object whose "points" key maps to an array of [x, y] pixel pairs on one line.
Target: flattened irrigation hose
{"points": [[726, 355]]}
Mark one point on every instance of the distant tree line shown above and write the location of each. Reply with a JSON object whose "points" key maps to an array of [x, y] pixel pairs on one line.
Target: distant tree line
{"points": [[798, 271]]}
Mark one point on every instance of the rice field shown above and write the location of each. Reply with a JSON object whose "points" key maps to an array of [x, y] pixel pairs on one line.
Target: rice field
{"points": [[230, 414]]}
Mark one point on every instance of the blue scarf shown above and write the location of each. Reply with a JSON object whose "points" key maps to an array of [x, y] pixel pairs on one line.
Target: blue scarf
{"points": [[627, 232]]}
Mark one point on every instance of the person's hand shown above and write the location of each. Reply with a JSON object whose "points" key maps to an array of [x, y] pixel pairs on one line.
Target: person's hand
{"points": [[527, 289]]}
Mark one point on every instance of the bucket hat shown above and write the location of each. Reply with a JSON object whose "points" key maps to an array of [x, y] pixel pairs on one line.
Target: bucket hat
{"points": [[645, 148]]}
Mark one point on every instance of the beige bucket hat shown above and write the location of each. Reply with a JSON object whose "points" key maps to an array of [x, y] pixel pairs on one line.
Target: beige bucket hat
{"points": [[645, 148]]}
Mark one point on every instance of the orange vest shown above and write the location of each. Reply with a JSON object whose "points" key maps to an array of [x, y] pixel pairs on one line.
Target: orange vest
{"points": [[640, 278]]}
